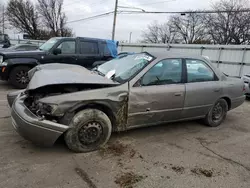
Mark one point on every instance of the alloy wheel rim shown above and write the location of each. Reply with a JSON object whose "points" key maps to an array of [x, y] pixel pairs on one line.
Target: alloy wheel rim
{"points": [[22, 77]]}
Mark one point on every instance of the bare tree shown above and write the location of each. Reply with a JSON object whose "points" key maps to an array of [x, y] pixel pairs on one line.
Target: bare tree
{"points": [[158, 33], [23, 16], [230, 27], [53, 17], [189, 29], [1, 16], [179, 29], [3, 19]]}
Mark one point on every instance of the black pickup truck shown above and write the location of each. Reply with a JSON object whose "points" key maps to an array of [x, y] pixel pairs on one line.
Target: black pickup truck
{"points": [[87, 52]]}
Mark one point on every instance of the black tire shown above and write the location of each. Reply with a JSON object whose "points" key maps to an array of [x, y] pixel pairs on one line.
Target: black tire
{"points": [[217, 113], [248, 98], [19, 77], [81, 131]]}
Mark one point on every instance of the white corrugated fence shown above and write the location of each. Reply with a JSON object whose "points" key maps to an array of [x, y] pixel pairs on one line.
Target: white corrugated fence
{"points": [[231, 59]]}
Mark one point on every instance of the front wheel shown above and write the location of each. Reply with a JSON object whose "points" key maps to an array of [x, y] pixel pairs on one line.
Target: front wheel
{"points": [[88, 130], [19, 77], [217, 113]]}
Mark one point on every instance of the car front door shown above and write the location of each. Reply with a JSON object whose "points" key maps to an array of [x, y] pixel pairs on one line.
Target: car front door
{"points": [[203, 88], [158, 96], [68, 53], [89, 53]]}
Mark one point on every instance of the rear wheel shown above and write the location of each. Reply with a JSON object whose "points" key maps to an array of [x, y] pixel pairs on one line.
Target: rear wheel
{"points": [[89, 130], [19, 77], [217, 113]]}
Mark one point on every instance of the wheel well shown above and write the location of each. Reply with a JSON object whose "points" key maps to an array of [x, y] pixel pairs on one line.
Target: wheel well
{"points": [[17, 65], [100, 107], [228, 102]]}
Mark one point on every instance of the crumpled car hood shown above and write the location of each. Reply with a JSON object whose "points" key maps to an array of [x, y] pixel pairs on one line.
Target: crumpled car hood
{"points": [[56, 73]]}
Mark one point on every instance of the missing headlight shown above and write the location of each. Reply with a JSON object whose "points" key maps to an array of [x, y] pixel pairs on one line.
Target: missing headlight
{"points": [[46, 109]]}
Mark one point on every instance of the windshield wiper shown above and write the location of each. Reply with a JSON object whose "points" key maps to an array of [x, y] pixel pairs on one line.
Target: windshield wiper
{"points": [[98, 72]]}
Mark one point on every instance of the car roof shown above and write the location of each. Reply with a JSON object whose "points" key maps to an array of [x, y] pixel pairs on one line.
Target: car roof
{"points": [[97, 39], [168, 54], [26, 44]]}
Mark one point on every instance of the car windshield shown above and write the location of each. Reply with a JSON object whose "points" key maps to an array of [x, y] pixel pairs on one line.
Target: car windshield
{"points": [[49, 44], [126, 67]]}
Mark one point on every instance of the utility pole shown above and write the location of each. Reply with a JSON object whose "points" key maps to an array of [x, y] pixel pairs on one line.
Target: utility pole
{"points": [[130, 36], [114, 22]]}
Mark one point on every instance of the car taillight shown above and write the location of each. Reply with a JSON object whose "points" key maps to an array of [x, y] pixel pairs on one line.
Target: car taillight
{"points": [[244, 88]]}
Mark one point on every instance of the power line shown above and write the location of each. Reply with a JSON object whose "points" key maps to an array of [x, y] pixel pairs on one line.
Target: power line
{"points": [[184, 12], [91, 17], [155, 12]]}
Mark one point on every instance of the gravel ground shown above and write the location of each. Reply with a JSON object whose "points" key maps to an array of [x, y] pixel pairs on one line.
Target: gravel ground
{"points": [[186, 154]]}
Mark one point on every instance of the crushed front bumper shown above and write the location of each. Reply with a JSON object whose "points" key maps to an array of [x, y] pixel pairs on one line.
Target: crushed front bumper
{"points": [[29, 126], [13, 95]]}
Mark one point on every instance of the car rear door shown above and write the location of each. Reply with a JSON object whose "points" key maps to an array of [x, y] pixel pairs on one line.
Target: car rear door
{"points": [[158, 96], [89, 53], [203, 88]]}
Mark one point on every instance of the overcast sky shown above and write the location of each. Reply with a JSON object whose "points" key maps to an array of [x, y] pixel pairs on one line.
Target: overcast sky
{"points": [[102, 27]]}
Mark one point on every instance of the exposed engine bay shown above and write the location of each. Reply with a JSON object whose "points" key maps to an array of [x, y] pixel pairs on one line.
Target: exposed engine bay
{"points": [[44, 110]]}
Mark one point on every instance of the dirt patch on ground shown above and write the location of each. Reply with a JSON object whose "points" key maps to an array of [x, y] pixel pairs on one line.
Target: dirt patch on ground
{"points": [[132, 153], [115, 149], [178, 169], [204, 172], [128, 179], [119, 149]]}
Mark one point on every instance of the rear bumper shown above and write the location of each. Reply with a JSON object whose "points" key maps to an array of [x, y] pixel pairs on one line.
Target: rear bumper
{"points": [[237, 102], [29, 126]]}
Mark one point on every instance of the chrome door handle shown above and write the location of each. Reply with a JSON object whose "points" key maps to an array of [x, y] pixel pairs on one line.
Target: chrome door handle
{"points": [[178, 94], [216, 90]]}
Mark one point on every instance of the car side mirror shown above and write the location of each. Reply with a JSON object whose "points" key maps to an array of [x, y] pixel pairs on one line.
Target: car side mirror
{"points": [[57, 51], [5, 46], [138, 83]]}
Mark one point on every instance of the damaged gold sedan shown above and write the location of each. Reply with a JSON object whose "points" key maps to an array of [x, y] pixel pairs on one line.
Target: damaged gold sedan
{"points": [[144, 89]]}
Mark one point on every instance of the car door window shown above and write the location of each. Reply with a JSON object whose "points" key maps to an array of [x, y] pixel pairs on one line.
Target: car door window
{"points": [[20, 48], [68, 47], [32, 47], [167, 71], [198, 71], [89, 47]]}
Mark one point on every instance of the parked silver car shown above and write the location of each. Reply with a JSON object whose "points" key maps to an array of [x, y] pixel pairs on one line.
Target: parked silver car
{"points": [[143, 89], [246, 79]]}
